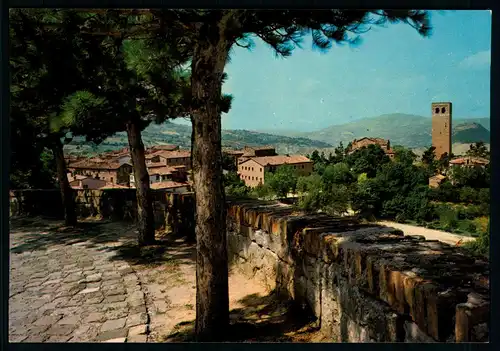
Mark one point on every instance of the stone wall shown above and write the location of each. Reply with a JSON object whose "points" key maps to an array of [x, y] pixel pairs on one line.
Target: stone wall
{"points": [[172, 211], [364, 283]]}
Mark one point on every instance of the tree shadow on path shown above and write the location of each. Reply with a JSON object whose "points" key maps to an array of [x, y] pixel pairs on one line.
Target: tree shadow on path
{"points": [[39, 234], [260, 319]]}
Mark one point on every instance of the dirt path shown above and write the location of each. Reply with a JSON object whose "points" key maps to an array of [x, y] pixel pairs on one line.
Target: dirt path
{"points": [[429, 234], [93, 284]]}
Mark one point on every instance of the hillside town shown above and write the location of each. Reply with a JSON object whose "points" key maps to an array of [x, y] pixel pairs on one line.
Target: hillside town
{"points": [[169, 167], [170, 180]]}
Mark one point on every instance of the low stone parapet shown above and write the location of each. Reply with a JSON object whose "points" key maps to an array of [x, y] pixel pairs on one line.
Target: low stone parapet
{"points": [[363, 282]]}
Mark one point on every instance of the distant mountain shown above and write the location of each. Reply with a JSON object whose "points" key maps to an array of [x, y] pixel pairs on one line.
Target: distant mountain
{"points": [[401, 129], [471, 133], [179, 134]]}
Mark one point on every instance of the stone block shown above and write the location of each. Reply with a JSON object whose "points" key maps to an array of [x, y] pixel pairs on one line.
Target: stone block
{"points": [[141, 329], [137, 319], [112, 334], [468, 315], [113, 324], [137, 338], [414, 334]]}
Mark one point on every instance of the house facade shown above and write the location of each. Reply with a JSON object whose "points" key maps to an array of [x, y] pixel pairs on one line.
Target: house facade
{"points": [[111, 172], [469, 161], [357, 144], [169, 158], [252, 171], [256, 151]]}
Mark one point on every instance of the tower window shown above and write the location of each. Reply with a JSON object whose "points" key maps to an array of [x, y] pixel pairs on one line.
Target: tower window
{"points": [[436, 110], [443, 109]]}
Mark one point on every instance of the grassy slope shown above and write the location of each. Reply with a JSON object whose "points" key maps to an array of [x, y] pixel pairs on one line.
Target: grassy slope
{"points": [[401, 129]]}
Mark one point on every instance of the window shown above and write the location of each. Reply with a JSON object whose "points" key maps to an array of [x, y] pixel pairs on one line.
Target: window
{"points": [[252, 178], [436, 110], [85, 186], [261, 169], [443, 109], [252, 169], [111, 179]]}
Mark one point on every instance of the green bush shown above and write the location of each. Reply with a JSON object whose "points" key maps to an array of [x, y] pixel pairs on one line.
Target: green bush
{"points": [[448, 219], [468, 195], [480, 246], [483, 196], [261, 191], [470, 212], [471, 227]]}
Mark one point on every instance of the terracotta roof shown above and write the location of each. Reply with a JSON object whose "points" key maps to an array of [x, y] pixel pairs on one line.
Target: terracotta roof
{"points": [[104, 185], [155, 164], [265, 147], [472, 160], [162, 170], [375, 140], [89, 164], [438, 176], [76, 177], [168, 147], [168, 185], [278, 160], [173, 154]]}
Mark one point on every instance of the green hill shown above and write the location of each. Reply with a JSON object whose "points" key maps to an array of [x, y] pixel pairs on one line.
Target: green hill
{"points": [[470, 133], [400, 129], [179, 134]]}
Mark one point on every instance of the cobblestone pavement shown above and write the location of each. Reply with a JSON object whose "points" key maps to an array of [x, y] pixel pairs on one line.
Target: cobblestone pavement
{"points": [[70, 285], [92, 284]]}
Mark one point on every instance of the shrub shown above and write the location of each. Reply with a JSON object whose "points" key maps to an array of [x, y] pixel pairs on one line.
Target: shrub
{"points": [[261, 191], [470, 212], [483, 196], [468, 195], [448, 218], [471, 227], [480, 246]]}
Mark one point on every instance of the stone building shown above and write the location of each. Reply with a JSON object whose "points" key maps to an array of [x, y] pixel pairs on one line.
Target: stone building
{"points": [[109, 171], [436, 180], [233, 154], [469, 161], [252, 170], [86, 182], [169, 158], [256, 151], [441, 128], [357, 144]]}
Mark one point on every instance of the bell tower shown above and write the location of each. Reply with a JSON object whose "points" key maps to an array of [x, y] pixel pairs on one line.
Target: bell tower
{"points": [[441, 127]]}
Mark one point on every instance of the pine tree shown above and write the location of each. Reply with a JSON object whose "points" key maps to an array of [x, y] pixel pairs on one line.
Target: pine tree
{"points": [[213, 34], [45, 63]]}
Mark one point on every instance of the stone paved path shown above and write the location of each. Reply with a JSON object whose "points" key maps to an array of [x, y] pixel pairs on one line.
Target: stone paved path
{"points": [[68, 286], [92, 284], [430, 234]]}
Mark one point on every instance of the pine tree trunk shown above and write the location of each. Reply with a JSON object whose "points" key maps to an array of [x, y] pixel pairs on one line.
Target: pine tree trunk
{"points": [[212, 292], [145, 215], [67, 194]]}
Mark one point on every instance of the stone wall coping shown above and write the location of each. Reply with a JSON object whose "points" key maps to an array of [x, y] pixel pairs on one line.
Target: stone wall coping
{"points": [[425, 279]]}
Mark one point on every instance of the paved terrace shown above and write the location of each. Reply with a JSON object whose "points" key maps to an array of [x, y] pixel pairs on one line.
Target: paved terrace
{"points": [[91, 284]]}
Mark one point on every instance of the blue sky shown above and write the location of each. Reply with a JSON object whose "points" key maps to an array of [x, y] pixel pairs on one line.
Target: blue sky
{"points": [[393, 70]]}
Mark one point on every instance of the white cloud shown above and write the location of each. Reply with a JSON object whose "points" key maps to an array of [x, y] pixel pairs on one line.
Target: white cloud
{"points": [[481, 59]]}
